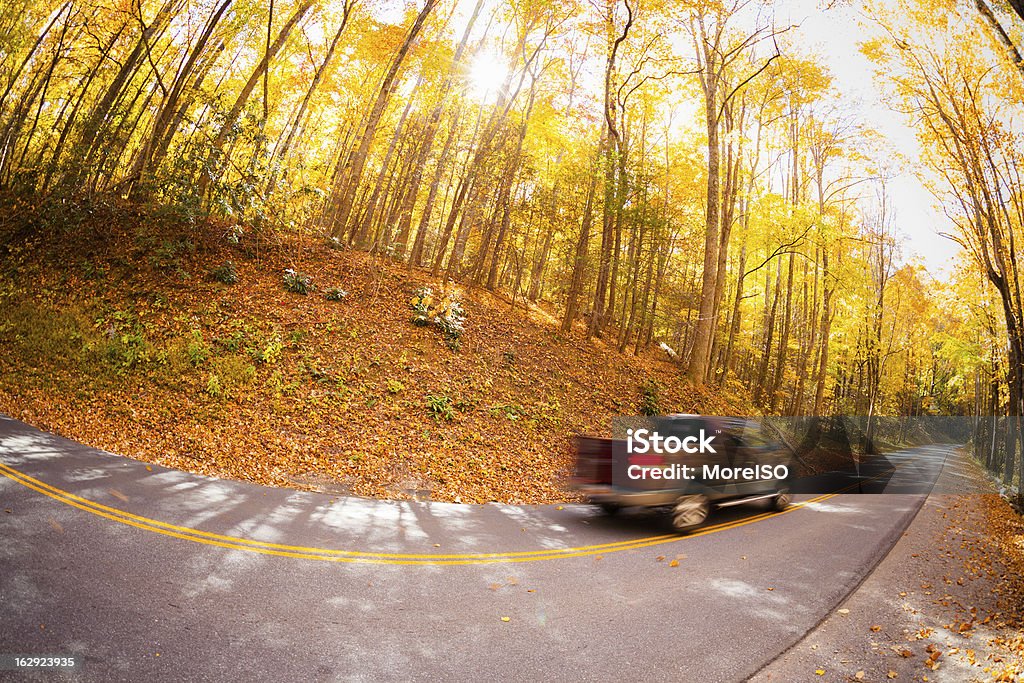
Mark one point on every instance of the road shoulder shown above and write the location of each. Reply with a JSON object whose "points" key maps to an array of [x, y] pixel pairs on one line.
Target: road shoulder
{"points": [[944, 604]]}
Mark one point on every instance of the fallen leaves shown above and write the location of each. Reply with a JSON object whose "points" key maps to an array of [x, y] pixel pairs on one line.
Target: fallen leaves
{"points": [[278, 423], [932, 662]]}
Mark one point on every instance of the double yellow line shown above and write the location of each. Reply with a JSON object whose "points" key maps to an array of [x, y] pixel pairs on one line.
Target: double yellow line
{"points": [[354, 556]]}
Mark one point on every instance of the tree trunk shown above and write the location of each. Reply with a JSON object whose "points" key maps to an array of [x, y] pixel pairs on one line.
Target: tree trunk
{"points": [[357, 162], [216, 162]]}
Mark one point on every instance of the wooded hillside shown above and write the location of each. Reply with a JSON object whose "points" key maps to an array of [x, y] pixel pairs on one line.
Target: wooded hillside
{"points": [[652, 174]]}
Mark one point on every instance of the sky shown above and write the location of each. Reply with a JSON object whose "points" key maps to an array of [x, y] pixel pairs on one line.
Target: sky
{"points": [[917, 215]]}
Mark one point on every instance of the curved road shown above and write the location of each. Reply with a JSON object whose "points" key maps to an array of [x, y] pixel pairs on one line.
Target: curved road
{"points": [[152, 573]]}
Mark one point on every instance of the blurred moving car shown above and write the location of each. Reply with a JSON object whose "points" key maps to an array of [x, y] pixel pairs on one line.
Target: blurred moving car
{"points": [[612, 477]]}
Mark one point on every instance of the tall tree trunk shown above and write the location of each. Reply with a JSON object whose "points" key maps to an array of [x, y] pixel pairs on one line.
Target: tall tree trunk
{"points": [[416, 256], [169, 117], [363, 228], [612, 201], [706, 320], [286, 146], [582, 244], [357, 162], [787, 324], [216, 162]]}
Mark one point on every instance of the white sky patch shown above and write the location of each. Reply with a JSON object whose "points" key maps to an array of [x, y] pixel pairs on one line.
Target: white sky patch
{"points": [[836, 35], [389, 12], [487, 74]]}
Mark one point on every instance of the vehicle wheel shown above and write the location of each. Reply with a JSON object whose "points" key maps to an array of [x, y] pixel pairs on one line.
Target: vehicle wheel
{"points": [[690, 512], [782, 501], [610, 508]]}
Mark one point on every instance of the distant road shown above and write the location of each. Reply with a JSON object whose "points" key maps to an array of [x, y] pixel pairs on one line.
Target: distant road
{"points": [[157, 574]]}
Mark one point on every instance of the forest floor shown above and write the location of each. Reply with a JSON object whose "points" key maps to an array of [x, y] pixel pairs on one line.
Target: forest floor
{"points": [[116, 335]]}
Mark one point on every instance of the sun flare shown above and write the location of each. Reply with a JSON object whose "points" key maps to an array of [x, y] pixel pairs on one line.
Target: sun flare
{"points": [[487, 75]]}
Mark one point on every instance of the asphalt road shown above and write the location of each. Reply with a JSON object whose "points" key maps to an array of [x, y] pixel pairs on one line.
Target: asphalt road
{"points": [[156, 574]]}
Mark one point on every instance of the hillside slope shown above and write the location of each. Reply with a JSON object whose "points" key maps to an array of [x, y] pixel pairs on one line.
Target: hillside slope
{"points": [[118, 337]]}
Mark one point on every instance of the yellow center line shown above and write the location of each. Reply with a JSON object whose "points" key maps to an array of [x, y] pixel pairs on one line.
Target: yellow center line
{"points": [[354, 556]]}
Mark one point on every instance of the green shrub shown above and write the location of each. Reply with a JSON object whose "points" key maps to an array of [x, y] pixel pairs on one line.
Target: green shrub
{"points": [[124, 345], [297, 281], [510, 410], [335, 294], [127, 351], [92, 271], [232, 343], [394, 386], [225, 273], [443, 311], [169, 254], [271, 353], [440, 407], [197, 350], [650, 398]]}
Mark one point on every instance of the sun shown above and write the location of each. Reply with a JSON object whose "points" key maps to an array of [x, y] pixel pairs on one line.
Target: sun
{"points": [[487, 75]]}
